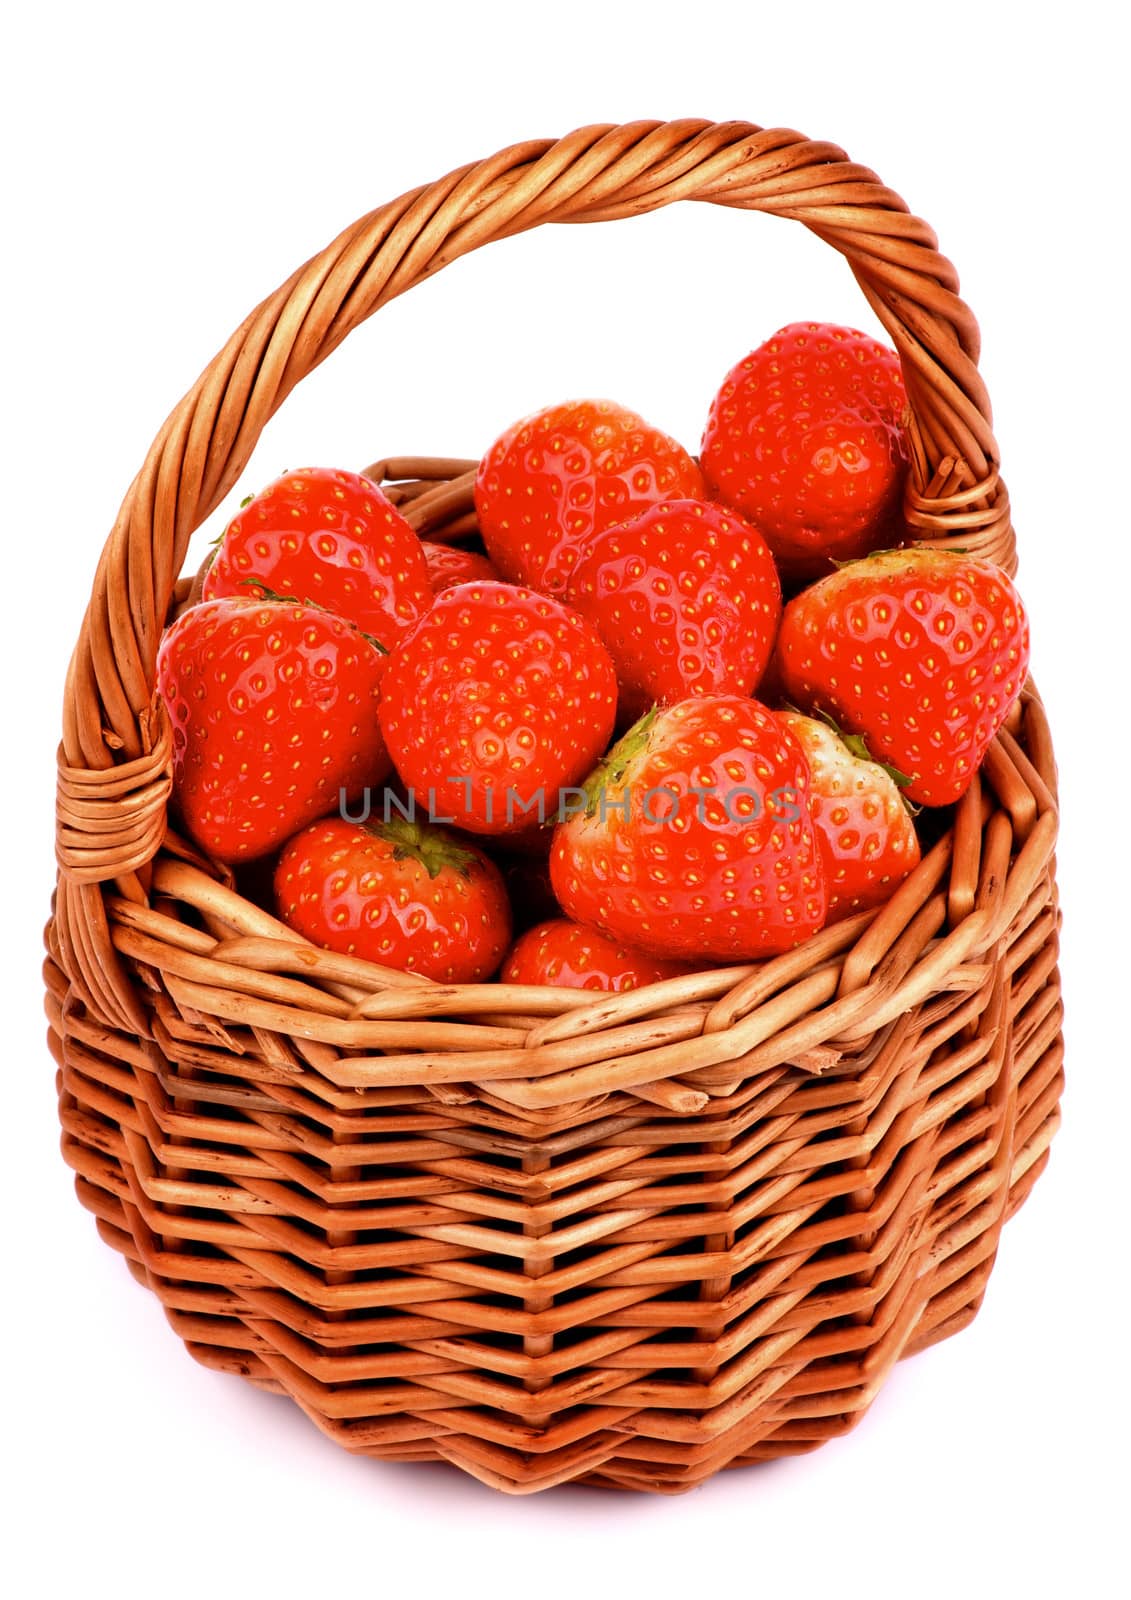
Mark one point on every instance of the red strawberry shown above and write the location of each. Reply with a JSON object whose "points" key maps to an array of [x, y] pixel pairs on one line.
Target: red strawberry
{"points": [[566, 472], [274, 712], [499, 698], [565, 955], [400, 893], [867, 838], [717, 856], [922, 652], [449, 565], [687, 599], [805, 439], [330, 538]]}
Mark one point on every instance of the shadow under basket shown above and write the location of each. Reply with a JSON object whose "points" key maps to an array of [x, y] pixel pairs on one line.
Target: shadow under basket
{"points": [[547, 1235]]}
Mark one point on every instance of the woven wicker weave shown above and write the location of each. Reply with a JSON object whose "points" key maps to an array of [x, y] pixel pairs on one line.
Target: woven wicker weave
{"points": [[546, 1236]]}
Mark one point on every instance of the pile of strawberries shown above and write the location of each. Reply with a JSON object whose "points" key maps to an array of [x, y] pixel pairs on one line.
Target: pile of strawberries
{"points": [[671, 713]]}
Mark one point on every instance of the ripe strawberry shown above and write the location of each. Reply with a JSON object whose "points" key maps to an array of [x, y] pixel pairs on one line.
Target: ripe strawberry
{"points": [[717, 855], [449, 565], [274, 712], [332, 539], [687, 599], [922, 652], [563, 954], [805, 439], [401, 893], [569, 471], [867, 838], [499, 698]]}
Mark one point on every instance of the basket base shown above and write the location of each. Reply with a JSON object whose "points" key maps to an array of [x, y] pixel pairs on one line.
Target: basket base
{"points": [[787, 1408]]}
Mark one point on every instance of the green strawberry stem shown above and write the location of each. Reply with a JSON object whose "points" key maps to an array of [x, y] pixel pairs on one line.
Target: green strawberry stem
{"points": [[609, 772], [434, 848]]}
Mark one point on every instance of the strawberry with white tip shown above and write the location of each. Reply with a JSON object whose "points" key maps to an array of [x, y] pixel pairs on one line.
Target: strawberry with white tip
{"points": [[865, 832]]}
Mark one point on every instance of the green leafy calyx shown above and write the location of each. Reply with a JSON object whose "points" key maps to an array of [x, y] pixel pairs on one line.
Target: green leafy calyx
{"points": [[434, 848], [608, 775]]}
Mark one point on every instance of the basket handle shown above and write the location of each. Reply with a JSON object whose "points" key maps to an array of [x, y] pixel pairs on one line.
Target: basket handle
{"points": [[115, 754]]}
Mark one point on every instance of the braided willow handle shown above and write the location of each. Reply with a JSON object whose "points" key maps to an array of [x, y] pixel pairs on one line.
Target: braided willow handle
{"points": [[115, 755]]}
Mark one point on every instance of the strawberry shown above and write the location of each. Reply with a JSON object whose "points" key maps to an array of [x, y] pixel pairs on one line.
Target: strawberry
{"points": [[922, 652], [496, 700], [449, 565], [398, 892], [274, 713], [565, 955], [328, 538], [687, 599], [695, 839], [866, 836], [804, 438], [569, 471]]}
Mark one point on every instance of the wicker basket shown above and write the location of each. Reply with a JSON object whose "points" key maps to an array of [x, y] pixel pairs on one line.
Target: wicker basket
{"points": [[541, 1235]]}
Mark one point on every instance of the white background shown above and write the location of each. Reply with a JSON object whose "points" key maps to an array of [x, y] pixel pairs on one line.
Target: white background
{"points": [[166, 166]]}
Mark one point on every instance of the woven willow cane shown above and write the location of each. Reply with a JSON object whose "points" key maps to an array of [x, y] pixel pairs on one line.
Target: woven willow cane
{"points": [[543, 1235]]}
